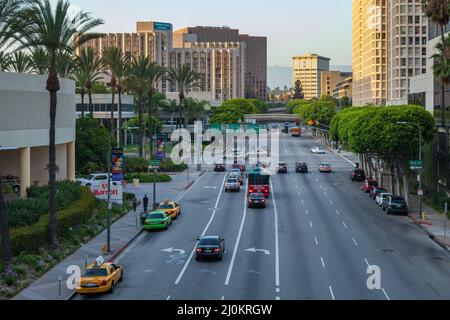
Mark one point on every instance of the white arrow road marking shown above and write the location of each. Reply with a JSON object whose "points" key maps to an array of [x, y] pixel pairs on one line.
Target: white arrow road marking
{"points": [[254, 250], [172, 250]]}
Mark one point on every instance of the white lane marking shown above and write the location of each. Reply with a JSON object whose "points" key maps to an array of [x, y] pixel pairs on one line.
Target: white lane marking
{"points": [[277, 290], [238, 240], [349, 161], [317, 180], [332, 294], [299, 193], [345, 225], [317, 241], [337, 212], [278, 298], [323, 262], [311, 224], [168, 298], [331, 202], [384, 291], [321, 187], [303, 202], [223, 298], [307, 212], [177, 281], [368, 264], [277, 247], [354, 241]]}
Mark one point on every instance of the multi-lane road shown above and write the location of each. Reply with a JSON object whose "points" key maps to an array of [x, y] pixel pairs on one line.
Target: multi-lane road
{"points": [[315, 240]]}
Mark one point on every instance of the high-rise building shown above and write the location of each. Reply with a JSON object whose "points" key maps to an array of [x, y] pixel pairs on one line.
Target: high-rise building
{"points": [[308, 69], [389, 47], [255, 56], [220, 61], [330, 79], [344, 89]]}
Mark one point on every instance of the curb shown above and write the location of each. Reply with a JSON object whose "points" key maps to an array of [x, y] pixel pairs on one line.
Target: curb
{"points": [[430, 235], [190, 184]]}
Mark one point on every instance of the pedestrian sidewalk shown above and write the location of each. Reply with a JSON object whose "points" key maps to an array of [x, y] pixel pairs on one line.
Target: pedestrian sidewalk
{"points": [[123, 232], [436, 225]]}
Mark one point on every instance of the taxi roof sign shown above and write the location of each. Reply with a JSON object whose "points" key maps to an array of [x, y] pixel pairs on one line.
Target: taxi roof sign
{"points": [[99, 261]]}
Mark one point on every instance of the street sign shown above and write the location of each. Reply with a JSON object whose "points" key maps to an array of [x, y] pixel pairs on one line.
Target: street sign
{"points": [[155, 163], [416, 164], [420, 193]]}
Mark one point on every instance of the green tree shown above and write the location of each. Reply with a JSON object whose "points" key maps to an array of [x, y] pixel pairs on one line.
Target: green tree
{"points": [[321, 111], [39, 60], [88, 63], [244, 105], [194, 108], [137, 84], [298, 91], [39, 25], [185, 79], [92, 146], [80, 78], [261, 106], [20, 62]]}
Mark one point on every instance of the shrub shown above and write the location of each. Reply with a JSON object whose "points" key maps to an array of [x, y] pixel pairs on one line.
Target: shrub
{"points": [[147, 177], [30, 239], [10, 281], [136, 165], [168, 166]]}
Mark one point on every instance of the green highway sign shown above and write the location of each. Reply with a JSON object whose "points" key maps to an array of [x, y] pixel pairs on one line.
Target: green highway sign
{"points": [[416, 164], [155, 163]]}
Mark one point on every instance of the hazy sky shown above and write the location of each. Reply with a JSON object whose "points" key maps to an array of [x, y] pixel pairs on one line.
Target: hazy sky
{"points": [[293, 27]]}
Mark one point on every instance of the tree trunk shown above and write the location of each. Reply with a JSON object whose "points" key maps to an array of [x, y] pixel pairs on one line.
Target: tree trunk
{"points": [[405, 185], [397, 182], [4, 234], [112, 110], [91, 106], [53, 87], [120, 117], [141, 135], [82, 103], [392, 180]]}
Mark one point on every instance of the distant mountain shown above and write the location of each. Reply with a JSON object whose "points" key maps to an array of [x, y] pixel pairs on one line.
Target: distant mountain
{"points": [[279, 76]]}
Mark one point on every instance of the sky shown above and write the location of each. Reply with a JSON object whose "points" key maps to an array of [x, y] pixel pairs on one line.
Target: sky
{"points": [[293, 27]]}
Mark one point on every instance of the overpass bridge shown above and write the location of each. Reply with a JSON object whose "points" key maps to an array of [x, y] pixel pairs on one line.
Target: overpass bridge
{"points": [[272, 117]]}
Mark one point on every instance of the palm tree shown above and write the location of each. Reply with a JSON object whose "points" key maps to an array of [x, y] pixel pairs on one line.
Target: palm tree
{"points": [[185, 79], [113, 62], [121, 74], [439, 12], [64, 64], [8, 11], [137, 83], [5, 61], [154, 74], [39, 60], [88, 61], [80, 78], [39, 25], [20, 62], [194, 108]]}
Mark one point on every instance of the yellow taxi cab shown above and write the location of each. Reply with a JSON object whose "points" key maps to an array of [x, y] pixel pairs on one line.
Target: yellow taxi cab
{"points": [[100, 277], [170, 208]]}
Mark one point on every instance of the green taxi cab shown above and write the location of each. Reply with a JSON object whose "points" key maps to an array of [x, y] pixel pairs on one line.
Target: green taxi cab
{"points": [[157, 220]]}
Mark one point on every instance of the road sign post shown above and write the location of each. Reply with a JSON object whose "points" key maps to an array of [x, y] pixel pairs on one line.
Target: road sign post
{"points": [[154, 165]]}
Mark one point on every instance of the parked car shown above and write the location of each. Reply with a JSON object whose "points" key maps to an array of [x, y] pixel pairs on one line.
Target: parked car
{"points": [[358, 175], [301, 167], [282, 167], [368, 185], [395, 205], [381, 197], [13, 181], [376, 191], [94, 179]]}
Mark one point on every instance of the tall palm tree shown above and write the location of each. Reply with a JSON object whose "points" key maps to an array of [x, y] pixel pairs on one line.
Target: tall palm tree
{"points": [[194, 108], [137, 83], [39, 60], [65, 63], [113, 62], [185, 79], [88, 61], [54, 29], [20, 62], [439, 12], [8, 11], [155, 73], [80, 78], [121, 74]]}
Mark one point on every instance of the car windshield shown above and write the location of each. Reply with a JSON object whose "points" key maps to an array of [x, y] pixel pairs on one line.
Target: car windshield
{"points": [[257, 196], [91, 176], [166, 206], [95, 272], [232, 180], [155, 216], [209, 242], [398, 200], [325, 164]]}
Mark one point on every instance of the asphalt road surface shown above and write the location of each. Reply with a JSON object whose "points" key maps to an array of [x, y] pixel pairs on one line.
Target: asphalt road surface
{"points": [[315, 240]]}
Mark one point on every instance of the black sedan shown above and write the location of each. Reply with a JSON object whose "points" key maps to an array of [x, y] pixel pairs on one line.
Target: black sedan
{"points": [[257, 200], [395, 205], [210, 247], [282, 168], [358, 175], [219, 168], [301, 167]]}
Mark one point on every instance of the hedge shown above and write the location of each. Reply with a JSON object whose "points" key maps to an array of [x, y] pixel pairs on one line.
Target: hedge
{"points": [[31, 239], [140, 165], [147, 177]]}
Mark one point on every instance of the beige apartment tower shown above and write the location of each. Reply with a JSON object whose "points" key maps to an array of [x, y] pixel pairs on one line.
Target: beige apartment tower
{"points": [[330, 79], [308, 69], [389, 47]]}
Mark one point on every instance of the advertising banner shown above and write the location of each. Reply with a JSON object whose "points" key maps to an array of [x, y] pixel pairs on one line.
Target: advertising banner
{"points": [[161, 148], [117, 165], [101, 192]]}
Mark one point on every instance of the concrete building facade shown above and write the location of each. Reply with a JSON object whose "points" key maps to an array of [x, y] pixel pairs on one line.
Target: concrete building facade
{"points": [[344, 89], [389, 47], [330, 79], [308, 69], [24, 129]]}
